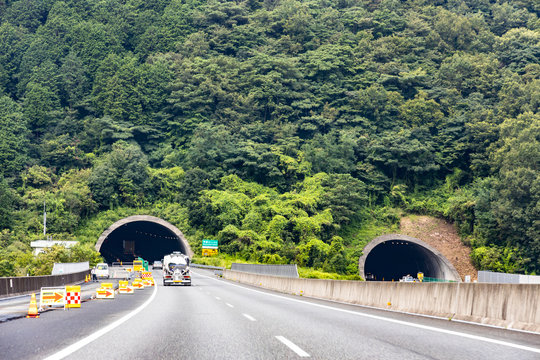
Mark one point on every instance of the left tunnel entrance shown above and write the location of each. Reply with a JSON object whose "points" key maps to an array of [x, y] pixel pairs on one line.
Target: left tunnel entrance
{"points": [[148, 237]]}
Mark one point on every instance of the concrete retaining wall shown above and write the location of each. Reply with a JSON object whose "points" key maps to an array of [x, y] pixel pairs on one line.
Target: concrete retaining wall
{"points": [[515, 306]]}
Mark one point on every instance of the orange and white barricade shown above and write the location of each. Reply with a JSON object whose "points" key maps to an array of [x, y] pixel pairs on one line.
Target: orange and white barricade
{"points": [[52, 296], [106, 291], [148, 279], [138, 284], [73, 296], [125, 288]]}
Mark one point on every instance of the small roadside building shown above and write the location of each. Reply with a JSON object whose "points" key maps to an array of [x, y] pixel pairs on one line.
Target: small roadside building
{"points": [[40, 245]]}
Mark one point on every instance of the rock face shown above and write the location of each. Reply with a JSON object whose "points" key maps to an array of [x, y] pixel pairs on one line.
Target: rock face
{"points": [[443, 236]]}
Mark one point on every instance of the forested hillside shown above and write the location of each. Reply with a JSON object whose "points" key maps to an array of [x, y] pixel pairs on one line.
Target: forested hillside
{"points": [[292, 131]]}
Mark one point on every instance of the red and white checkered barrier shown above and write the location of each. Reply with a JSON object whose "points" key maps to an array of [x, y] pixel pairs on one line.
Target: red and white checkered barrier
{"points": [[73, 296]]}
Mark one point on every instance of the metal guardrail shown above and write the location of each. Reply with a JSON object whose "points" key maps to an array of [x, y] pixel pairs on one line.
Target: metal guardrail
{"points": [[10, 286], [289, 270], [122, 263], [211, 267], [504, 278], [429, 279]]}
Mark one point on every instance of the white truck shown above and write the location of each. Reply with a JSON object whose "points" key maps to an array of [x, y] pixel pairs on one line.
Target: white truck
{"points": [[176, 269], [102, 271]]}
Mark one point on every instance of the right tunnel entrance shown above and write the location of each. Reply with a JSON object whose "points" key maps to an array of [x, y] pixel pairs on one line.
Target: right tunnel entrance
{"points": [[391, 257]]}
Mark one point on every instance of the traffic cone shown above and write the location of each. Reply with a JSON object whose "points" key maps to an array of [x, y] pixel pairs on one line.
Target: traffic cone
{"points": [[32, 309], [86, 278]]}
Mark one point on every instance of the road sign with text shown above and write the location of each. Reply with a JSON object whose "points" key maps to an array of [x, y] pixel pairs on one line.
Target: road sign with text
{"points": [[209, 244]]}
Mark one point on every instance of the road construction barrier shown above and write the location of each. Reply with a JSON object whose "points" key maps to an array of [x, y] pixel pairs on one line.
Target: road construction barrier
{"points": [[52, 296], [138, 284], [125, 288], [73, 296], [148, 278], [107, 285], [138, 265], [146, 275], [104, 293]]}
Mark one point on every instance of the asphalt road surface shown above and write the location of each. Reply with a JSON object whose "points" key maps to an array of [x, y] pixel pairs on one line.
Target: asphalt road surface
{"points": [[218, 319]]}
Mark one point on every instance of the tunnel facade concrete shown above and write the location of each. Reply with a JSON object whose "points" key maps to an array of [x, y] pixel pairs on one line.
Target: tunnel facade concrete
{"points": [[141, 235], [390, 257]]}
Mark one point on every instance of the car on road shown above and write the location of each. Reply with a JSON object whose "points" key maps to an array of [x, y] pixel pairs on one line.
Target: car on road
{"points": [[157, 265], [102, 271], [408, 278]]}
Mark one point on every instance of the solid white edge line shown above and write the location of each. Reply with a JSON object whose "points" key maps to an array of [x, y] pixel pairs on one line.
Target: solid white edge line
{"points": [[249, 317], [87, 340], [401, 322], [293, 346]]}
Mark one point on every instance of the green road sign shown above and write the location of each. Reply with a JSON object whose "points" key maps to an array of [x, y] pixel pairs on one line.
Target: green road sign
{"points": [[209, 244]]}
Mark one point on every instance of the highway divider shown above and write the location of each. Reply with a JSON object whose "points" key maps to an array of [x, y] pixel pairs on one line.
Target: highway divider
{"points": [[513, 306]]}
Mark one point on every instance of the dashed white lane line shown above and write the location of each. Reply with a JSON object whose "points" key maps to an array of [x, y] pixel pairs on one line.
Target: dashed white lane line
{"points": [[293, 346], [395, 321], [249, 317], [229, 305], [87, 340]]}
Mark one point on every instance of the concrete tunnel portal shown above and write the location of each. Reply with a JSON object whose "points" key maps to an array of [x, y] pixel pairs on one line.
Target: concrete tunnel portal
{"points": [[141, 235], [390, 257]]}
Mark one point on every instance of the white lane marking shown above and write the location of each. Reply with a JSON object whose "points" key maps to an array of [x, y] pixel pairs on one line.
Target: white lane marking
{"points": [[293, 346], [229, 305], [87, 340], [249, 317], [218, 298], [401, 322]]}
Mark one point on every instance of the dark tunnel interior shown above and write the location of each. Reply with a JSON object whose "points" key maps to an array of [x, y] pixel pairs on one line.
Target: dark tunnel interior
{"points": [[146, 239], [391, 260]]}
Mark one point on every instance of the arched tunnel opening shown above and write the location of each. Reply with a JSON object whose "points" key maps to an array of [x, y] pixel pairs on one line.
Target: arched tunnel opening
{"points": [[151, 240], [391, 257], [392, 260]]}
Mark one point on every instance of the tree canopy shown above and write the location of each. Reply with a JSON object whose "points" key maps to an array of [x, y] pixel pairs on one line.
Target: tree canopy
{"points": [[277, 126]]}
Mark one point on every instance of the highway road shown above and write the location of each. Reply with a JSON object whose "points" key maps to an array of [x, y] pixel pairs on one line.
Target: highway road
{"points": [[218, 319]]}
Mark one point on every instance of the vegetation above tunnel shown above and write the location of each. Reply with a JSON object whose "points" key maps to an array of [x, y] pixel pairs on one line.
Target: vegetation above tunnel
{"points": [[292, 131]]}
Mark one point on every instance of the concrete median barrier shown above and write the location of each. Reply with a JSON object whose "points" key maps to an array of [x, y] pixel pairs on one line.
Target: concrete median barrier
{"points": [[515, 306]]}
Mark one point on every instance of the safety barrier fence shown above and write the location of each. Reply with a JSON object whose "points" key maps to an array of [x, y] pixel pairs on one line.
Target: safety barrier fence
{"points": [[274, 270], [10, 286], [504, 278], [430, 279], [122, 263]]}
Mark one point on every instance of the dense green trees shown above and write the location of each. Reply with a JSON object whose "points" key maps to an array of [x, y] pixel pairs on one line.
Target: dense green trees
{"points": [[277, 126]]}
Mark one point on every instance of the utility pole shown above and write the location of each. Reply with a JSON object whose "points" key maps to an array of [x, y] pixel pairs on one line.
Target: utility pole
{"points": [[44, 222]]}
